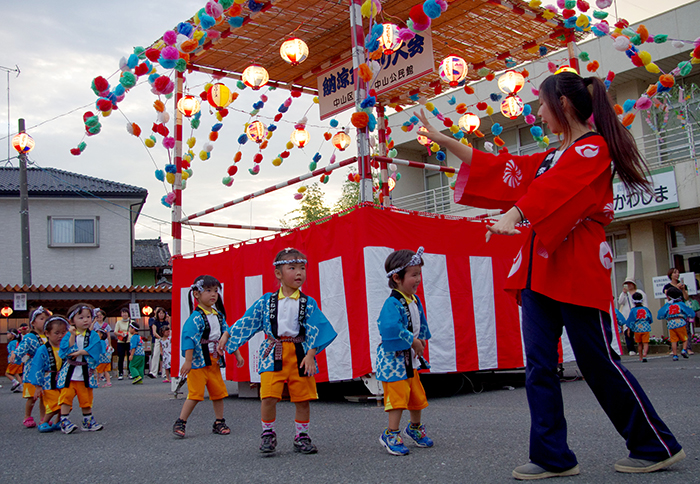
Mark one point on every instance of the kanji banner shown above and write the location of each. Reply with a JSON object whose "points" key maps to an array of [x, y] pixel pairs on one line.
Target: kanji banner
{"points": [[665, 195], [475, 325]]}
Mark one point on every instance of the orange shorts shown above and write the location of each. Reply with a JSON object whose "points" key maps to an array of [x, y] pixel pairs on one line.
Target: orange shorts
{"points": [[13, 369], [103, 367], [209, 377], [301, 388], [28, 390], [641, 337], [76, 389], [406, 394], [678, 334], [51, 400]]}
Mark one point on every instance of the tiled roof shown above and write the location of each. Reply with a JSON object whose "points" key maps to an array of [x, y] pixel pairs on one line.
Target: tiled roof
{"points": [[51, 182], [118, 289], [151, 253]]}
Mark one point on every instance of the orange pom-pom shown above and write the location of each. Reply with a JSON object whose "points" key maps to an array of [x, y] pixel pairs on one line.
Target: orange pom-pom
{"points": [[628, 119], [237, 157], [651, 90], [377, 54], [356, 177], [327, 135], [490, 76], [667, 80], [234, 11], [263, 145], [189, 45], [618, 109], [365, 73], [468, 89], [461, 108], [643, 33], [234, 96], [478, 133], [359, 120], [390, 145], [213, 136], [525, 73], [498, 141], [159, 106], [136, 129], [592, 66]]}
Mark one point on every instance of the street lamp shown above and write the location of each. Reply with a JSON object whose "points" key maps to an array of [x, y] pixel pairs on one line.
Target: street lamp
{"points": [[24, 143], [6, 311]]}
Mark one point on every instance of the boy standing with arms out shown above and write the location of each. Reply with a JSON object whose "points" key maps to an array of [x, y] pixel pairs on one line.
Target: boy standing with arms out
{"points": [[404, 331]]}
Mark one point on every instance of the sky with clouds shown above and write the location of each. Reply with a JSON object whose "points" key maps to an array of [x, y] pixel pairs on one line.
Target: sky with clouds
{"points": [[60, 47]]}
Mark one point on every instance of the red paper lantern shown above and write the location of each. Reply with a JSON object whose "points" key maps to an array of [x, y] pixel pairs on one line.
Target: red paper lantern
{"points": [[188, 106], [341, 140], [255, 76], [294, 51], [469, 123], [219, 95]]}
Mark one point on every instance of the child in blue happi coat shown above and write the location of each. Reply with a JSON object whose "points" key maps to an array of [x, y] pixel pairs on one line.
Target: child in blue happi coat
{"points": [[45, 366], [137, 355], [296, 331], [675, 312], [203, 356], [14, 370], [640, 321], [404, 332], [80, 351]]}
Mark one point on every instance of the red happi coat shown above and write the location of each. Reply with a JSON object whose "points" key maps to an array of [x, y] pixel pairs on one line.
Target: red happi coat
{"points": [[568, 207]]}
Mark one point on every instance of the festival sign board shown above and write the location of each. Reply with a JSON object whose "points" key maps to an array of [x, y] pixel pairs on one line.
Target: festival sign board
{"points": [[687, 278], [336, 85], [665, 195]]}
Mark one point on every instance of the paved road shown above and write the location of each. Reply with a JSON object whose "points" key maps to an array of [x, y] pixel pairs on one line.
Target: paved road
{"points": [[479, 437]]}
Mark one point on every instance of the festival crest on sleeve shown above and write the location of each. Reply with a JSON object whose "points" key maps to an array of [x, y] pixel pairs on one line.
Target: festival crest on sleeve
{"points": [[512, 176]]}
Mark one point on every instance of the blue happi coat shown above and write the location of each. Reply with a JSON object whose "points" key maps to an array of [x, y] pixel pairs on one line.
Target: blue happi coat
{"points": [[136, 343], [675, 314], [191, 338], [28, 346], [41, 369], [319, 331], [94, 350], [106, 355], [393, 328], [639, 320], [11, 346]]}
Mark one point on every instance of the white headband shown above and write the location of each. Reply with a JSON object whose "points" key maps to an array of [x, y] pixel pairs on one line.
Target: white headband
{"points": [[36, 313], [415, 261], [54, 318], [77, 311], [198, 286], [289, 261]]}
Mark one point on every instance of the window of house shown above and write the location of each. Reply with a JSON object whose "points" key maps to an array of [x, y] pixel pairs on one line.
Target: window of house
{"points": [[619, 244], [73, 232], [684, 243]]}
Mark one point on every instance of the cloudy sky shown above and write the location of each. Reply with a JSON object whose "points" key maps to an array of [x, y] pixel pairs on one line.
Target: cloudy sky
{"points": [[60, 47]]}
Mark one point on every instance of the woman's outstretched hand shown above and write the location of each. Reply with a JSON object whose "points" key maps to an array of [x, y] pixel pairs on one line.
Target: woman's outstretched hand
{"points": [[424, 120], [506, 225]]}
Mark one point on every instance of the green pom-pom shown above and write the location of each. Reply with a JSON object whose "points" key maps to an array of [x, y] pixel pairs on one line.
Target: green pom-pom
{"points": [[181, 65], [570, 4], [140, 52], [600, 15], [392, 153], [240, 85], [483, 72], [82, 146], [398, 176], [660, 39], [95, 129], [254, 112], [325, 179], [127, 79], [92, 121], [226, 4], [312, 166], [169, 96], [628, 32], [195, 123], [685, 68], [636, 39], [583, 56]]}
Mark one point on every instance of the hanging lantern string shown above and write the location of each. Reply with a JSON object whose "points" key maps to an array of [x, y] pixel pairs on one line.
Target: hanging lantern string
{"points": [[272, 30]]}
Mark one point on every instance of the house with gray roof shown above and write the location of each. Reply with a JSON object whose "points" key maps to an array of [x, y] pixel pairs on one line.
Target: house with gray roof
{"points": [[151, 263]]}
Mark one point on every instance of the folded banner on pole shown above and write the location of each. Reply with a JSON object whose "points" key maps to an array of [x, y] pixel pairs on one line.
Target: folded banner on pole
{"points": [[474, 323]]}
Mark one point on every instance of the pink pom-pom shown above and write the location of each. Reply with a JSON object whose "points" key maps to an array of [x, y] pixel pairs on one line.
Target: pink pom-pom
{"points": [[263, 98], [332, 159], [535, 92], [643, 103], [603, 4], [287, 102], [298, 196], [552, 67], [170, 198], [170, 37], [561, 3], [443, 5], [406, 34], [213, 34], [255, 169], [552, 8], [170, 53], [440, 117], [214, 9], [605, 28], [530, 119], [169, 142]]}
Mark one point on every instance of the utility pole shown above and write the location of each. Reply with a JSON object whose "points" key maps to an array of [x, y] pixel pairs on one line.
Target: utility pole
{"points": [[24, 143]]}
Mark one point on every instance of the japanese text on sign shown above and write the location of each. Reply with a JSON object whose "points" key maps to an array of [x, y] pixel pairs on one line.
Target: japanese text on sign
{"points": [[665, 195]]}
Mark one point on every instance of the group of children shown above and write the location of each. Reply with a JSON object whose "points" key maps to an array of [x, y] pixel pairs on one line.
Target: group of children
{"points": [[55, 359], [296, 331], [675, 312]]}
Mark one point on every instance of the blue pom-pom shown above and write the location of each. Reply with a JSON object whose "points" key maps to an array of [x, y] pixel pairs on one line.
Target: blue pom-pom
{"points": [[217, 126], [160, 175], [369, 102], [282, 109], [112, 97], [607, 84], [258, 105], [496, 129], [441, 156], [536, 132], [164, 202], [255, 6], [206, 21], [377, 30], [452, 101], [198, 115], [628, 105], [459, 134], [236, 22], [133, 61], [242, 139], [372, 122], [119, 90], [511, 63], [414, 120], [371, 44], [166, 63], [435, 111], [495, 97], [334, 123], [414, 97], [570, 23], [152, 78], [432, 9], [597, 33], [543, 50], [527, 109], [170, 168], [185, 28], [317, 157], [271, 128]]}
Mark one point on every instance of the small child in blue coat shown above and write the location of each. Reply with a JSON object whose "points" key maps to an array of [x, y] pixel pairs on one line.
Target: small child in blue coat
{"points": [[640, 321], [404, 332], [675, 312]]}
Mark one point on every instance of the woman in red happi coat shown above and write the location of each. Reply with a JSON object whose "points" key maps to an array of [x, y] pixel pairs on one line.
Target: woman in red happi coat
{"points": [[561, 276]]}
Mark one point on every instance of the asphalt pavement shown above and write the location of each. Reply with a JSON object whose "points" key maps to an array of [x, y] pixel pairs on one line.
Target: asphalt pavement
{"points": [[479, 424]]}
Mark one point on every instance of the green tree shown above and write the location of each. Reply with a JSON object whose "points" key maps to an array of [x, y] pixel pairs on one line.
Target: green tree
{"points": [[312, 208]]}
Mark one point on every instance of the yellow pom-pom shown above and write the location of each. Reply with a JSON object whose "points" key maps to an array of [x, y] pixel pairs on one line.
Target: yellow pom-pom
{"points": [[489, 110], [149, 142], [277, 161], [106, 113], [191, 142], [301, 189], [315, 99], [546, 140], [695, 60], [219, 117], [290, 145], [429, 106], [269, 134], [208, 86], [160, 45], [198, 34], [368, 9], [644, 56], [653, 68], [464, 141], [434, 147], [533, 50], [204, 155], [449, 175], [185, 175], [170, 178], [582, 21], [535, 3], [454, 128], [548, 14]]}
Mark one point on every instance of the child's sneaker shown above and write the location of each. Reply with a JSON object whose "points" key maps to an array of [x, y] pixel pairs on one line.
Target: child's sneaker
{"points": [[302, 443], [393, 443], [46, 427], [418, 435], [29, 422], [675, 358], [137, 380], [90, 424], [67, 426], [56, 427], [268, 442], [179, 428], [121, 377], [14, 386], [684, 353]]}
